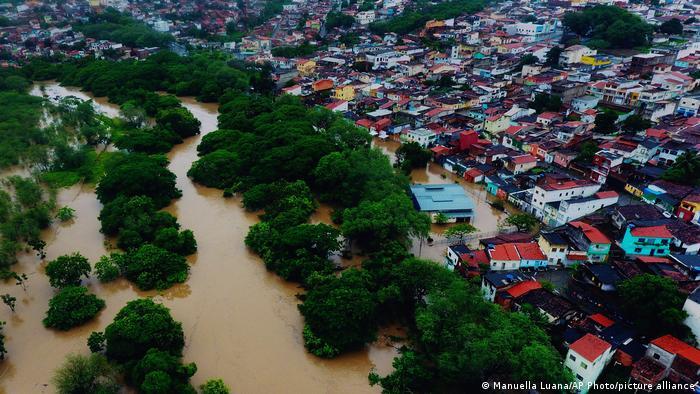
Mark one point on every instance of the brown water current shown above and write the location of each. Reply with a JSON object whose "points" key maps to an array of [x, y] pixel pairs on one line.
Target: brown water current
{"points": [[241, 322]]}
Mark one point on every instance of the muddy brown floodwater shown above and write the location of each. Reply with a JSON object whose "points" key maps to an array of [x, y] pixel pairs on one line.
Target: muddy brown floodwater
{"points": [[241, 322], [486, 220]]}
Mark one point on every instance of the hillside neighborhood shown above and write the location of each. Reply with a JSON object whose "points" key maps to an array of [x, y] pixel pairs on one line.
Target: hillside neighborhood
{"points": [[586, 144]]}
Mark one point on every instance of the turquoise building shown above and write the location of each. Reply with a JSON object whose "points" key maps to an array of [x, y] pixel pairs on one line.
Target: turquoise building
{"points": [[646, 241]]}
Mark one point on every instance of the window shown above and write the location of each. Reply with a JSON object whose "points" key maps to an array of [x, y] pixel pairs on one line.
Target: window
{"points": [[656, 356], [579, 377], [642, 239], [637, 250], [572, 357], [664, 241], [659, 251], [584, 365]]}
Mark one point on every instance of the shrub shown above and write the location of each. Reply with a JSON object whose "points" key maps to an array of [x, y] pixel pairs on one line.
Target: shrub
{"points": [[71, 307]]}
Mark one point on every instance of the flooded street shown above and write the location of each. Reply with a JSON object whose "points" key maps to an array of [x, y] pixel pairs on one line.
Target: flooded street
{"points": [[241, 322], [486, 218]]}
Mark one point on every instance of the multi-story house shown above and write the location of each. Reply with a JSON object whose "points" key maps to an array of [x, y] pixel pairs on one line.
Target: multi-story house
{"points": [[646, 241], [568, 210], [554, 191], [586, 359], [586, 240], [669, 358], [495, 281], [603, 163], [554, 246], [689, 209]]}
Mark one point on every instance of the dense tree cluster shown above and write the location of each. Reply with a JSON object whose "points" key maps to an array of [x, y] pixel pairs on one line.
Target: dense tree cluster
{"points": [[412, 155], [609, 26], [460, 340], [25, 210], [86, 374], [21, 138], [204, 75], [68, 270], [71, 307], [685, 170], [414, 19], [339, 19], [655, 305], [672, 26], [114, 26], [252, 153], [302, 50], [132, 190], [147, 342], [545, 102]]}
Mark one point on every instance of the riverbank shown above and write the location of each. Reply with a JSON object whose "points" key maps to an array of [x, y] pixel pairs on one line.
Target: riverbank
{"points": [[240, 321]]}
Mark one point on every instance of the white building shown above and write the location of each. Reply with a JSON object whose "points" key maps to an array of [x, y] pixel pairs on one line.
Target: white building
{"points": [[577, 208], [558, 191], [692, 308], [422, 136], [688, 106], [574, 53], [586, 359], [365, 17]]}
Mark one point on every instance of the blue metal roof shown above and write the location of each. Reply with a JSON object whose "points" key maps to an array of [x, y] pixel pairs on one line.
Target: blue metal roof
{"points": [[449, 198]]}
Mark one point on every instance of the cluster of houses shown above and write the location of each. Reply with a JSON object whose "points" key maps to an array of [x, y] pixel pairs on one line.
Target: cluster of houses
{"points": [[528, 133]]}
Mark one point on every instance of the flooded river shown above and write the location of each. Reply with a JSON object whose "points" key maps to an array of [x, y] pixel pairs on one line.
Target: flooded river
{"points": [[241, 322]]}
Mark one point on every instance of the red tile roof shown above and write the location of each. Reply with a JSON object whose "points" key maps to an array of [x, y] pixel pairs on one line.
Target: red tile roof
{"points": [[524, 159], [602, 320], [523, 287], [593, 234], [505, 252], [607, 194], [530, 251], [651, 232], [674, 345], [590, 347]]}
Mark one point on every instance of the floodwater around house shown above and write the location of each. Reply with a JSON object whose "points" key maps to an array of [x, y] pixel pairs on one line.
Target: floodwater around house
{"points": [[486, 217], [241, 322]]}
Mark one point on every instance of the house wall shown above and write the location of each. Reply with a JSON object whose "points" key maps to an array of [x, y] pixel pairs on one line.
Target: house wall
{"points": [[584, 370], [555, 253], [509, 265], [656, 353], [644, 245]]}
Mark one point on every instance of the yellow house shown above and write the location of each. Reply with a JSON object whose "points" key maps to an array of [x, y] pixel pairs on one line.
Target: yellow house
{"points": [[595, 61], [689, 207], [496, 124], [306, 67], [634, 190], [554, 247], [346, 93]]}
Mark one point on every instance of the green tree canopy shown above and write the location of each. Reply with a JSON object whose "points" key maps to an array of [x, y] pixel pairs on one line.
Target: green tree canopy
{"points": [[86, 374], [654, 304], [138, 175], [71, 307], [609, 26], [339, 313], [523, 221], [142, 325], [412, 155], [685, 170], [67, 270], [179, 120]]}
